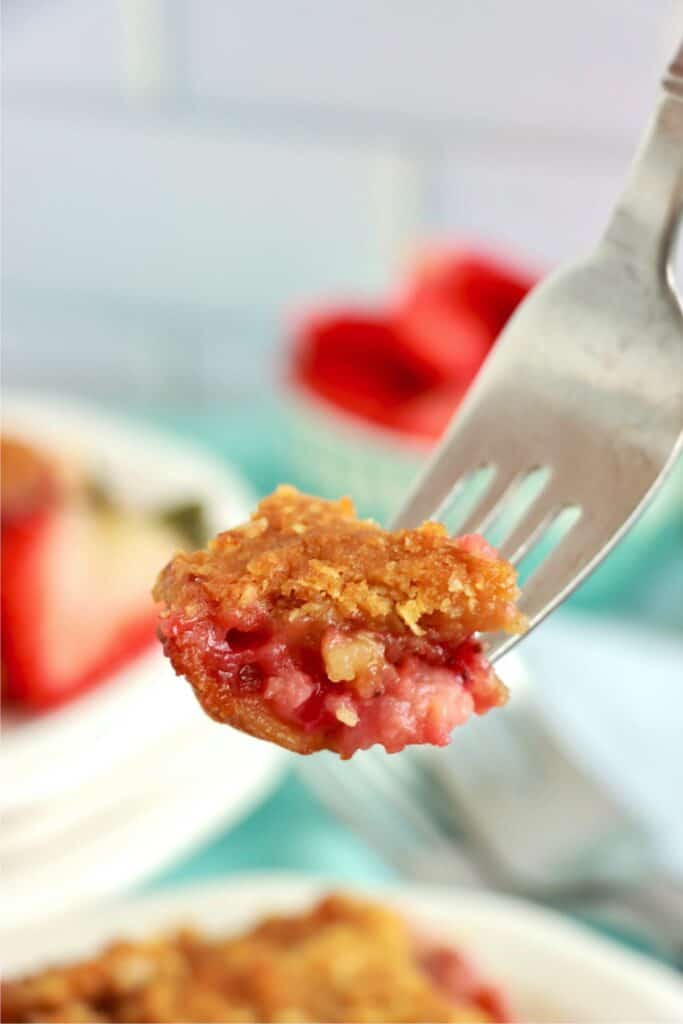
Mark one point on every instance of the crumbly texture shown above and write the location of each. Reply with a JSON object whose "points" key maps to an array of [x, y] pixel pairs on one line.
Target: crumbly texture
{"points": [[304, 557], [345, 960], [295, 626]]}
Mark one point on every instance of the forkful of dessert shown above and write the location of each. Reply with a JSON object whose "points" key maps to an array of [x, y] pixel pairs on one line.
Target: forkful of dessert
{"points": [[316, 630]]}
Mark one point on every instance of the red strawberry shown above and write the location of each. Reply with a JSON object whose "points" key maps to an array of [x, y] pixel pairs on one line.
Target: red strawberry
{"points": [[454, 307], [429, 415], [409, 367], [357, 361], [75, 594]]}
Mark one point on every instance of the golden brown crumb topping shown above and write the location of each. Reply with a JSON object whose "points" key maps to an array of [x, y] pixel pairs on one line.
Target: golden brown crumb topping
{"points": [[345, 960], [304, 557]]}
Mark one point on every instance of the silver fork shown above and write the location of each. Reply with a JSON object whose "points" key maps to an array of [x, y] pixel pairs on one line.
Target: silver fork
{"points": [[412, 808], [506, 805], [586, 382]]}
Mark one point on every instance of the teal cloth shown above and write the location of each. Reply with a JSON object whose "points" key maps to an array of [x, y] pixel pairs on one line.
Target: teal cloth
{"points": [[291, 830]]}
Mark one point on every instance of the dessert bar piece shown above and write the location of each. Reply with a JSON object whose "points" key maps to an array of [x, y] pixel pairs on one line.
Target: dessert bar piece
{"points": [[344, 960], [317, 630]]}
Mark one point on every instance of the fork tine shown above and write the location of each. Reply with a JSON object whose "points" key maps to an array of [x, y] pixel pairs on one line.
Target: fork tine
{"points": [[445, 474], [498, 644], [431, 492], [486, 750], [485, 510], [530, 528], [381, 803], [571, 560], [377, 773], [391, 789], [356, 805]]}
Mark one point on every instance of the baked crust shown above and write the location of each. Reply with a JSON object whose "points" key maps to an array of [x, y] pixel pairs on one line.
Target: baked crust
{"points": [[300, 556]]}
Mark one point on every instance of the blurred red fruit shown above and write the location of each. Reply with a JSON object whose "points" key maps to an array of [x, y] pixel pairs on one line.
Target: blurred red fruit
{"points": [[408, 368]]}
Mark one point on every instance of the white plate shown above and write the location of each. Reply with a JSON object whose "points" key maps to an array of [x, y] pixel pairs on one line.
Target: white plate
{"points": [[124, 842], [178, 757], [552, 969], [48, 754]]}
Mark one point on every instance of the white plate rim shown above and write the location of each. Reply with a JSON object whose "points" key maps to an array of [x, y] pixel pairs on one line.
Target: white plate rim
{"points": [[138, 839]]}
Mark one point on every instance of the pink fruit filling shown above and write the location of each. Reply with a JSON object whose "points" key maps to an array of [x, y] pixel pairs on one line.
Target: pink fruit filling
{"points": [[357, 688], [460, 980]]}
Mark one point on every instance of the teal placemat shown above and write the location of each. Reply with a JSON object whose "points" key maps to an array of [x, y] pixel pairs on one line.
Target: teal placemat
{"points": [[290, 831]]}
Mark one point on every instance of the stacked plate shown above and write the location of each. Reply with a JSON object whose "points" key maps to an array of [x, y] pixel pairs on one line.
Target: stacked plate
{"points": [[122, 781]]}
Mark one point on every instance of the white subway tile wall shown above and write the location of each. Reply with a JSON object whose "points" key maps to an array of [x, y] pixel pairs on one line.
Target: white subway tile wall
{"points": [[179, 174], [524, 64], [50, 43], [144, 207]]}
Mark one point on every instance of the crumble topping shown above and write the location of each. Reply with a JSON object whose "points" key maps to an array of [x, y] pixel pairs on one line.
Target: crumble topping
{"points": [[301, 557], [344, 960]]}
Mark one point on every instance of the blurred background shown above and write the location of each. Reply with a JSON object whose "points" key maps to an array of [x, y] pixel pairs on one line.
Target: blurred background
{"points": [[187, 182], [179, 175]]}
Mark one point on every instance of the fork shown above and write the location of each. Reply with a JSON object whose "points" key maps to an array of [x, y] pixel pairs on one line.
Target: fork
{"points": [[408, 808], [585, 383]]}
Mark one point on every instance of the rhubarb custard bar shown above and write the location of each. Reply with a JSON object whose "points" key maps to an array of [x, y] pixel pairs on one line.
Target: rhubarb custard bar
{"points": [[316, 630]]}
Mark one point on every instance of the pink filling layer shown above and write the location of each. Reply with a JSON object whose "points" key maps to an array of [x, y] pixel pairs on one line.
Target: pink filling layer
{"points": [[423, 706], [460, 981], [419, 692]]}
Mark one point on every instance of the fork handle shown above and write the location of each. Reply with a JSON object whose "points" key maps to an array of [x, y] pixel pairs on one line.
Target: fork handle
{"points": [[659, 903], [644, 223], [655, 907]]}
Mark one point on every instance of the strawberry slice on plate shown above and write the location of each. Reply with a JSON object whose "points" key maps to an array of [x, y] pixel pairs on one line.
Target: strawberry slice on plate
{"points": [[75, 582]]}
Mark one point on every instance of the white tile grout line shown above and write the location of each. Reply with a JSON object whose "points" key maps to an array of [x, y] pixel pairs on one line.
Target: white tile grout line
{"points": [[322, 124]]}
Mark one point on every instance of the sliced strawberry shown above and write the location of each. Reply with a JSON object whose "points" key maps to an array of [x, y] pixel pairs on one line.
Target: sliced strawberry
{"points": [[456, 976], [452, 342], [75, 597], [76, 573], [357, 361], [428, 415], [493, 289], [409, 367], [454, 307]]}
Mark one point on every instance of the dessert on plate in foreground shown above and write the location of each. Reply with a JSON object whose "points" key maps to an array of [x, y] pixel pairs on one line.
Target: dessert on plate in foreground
{"points": [[316, 630], [343, 960]]}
